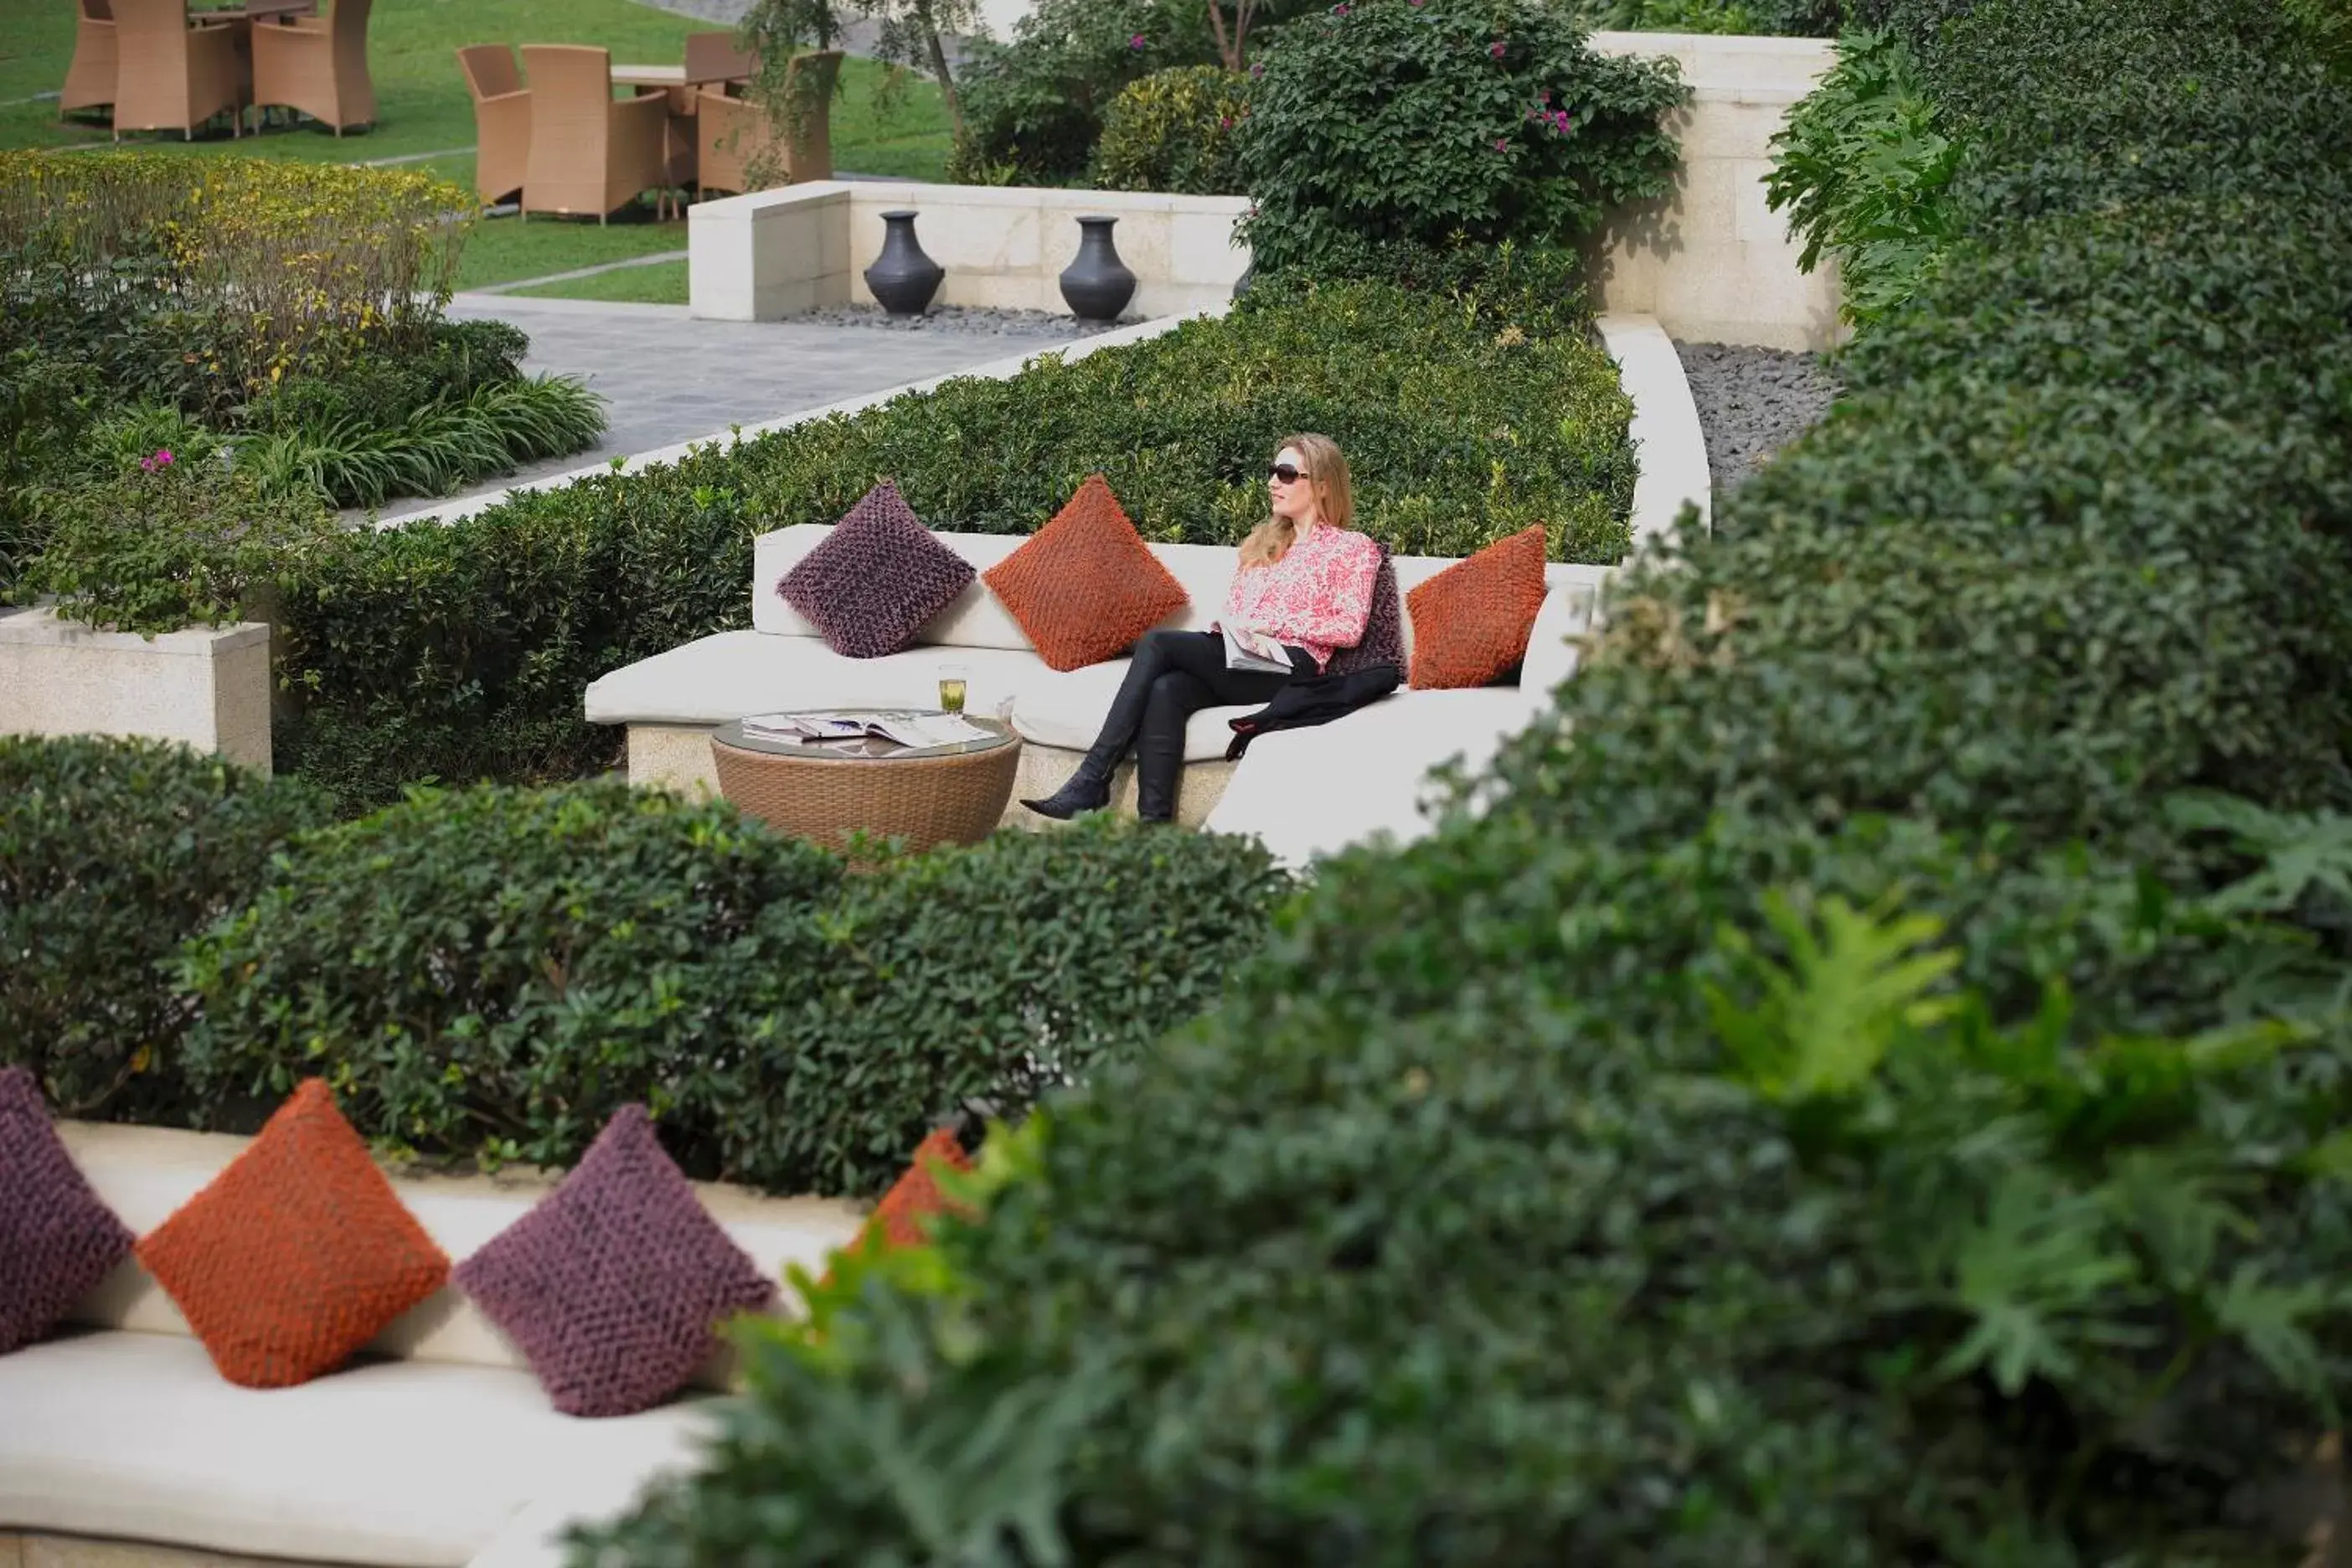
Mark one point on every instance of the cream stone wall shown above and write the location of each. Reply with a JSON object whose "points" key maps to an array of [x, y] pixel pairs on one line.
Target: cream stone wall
{"points": [[209, 687], [1714, 263]]}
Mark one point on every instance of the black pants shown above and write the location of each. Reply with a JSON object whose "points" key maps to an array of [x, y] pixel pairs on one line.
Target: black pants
{"points": [[1174, 676]]}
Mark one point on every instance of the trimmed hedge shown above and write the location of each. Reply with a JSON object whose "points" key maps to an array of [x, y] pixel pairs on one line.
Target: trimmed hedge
{"points": [[112, 853], [488, 973], [492, 971], [459, 651], [1176, 130], [1862, 1100]]}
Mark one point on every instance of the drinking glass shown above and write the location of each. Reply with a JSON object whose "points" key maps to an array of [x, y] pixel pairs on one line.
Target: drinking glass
{"points": [[951, 677]]}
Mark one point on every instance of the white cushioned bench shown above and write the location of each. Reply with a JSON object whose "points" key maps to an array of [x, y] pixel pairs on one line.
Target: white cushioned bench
{"points": [[1370, 764], [437, 1449]]}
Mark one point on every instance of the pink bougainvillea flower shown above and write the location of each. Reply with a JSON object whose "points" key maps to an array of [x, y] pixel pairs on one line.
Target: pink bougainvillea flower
{"points": [[1224, 122], [1496, 48], [1544, 96], [1135, 41], [1258, 70], [1339, 10], [1502, 143]]}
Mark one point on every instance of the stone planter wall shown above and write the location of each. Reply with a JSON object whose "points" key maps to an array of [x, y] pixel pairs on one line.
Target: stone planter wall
{"points": [[777, 252], [209, 687], [1714, 264]]}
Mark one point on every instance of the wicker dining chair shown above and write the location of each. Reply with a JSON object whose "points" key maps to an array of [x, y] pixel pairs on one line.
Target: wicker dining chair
{"points": [[501, 119], [715, 58], [735, 132], [588, 153], [170, 76], [317, 66], [89, 80]]}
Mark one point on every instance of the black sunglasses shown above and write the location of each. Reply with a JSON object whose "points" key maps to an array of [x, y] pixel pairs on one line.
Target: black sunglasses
{"points": [[1288, 474]]}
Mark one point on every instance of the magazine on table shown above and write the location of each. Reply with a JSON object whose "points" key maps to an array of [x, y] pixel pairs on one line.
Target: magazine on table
{"points": [[849, 729], [1247, 649]]}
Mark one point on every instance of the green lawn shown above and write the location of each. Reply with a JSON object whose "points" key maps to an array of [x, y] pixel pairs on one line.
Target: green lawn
{"points": [[656, 283], [423, 107]]}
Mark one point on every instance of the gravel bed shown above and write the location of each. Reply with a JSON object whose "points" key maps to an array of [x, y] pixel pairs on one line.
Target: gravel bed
{"points": [[1751, 403], [967, 318]]}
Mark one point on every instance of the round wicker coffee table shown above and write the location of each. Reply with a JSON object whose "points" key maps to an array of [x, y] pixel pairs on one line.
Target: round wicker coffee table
{"points": [[922, 795]]}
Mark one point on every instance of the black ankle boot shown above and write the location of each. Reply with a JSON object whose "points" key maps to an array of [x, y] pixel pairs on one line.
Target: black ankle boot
{"points": [[1081, 795]]}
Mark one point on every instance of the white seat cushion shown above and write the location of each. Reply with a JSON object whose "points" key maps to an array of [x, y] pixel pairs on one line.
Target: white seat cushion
{"points": [[1066, 708], [1311, 791], [715, 679], [399, 1464]]}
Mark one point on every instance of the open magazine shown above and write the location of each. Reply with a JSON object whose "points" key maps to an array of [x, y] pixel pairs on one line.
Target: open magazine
{"points": [[1246, 650], [852, 730]]}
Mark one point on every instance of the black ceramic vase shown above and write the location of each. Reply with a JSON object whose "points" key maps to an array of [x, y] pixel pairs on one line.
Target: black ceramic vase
{"points": [[1097, 284], [903, 279]]}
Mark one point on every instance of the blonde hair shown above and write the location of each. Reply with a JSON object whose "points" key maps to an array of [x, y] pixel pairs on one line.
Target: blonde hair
{"points": [[1335, 500]]}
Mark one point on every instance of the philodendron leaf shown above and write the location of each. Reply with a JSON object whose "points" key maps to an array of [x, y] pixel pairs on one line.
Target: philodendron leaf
{"points": [[1827, 1018]]}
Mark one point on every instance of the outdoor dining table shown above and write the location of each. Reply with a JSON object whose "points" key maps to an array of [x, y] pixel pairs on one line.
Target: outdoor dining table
{"points": [[279, 11]]}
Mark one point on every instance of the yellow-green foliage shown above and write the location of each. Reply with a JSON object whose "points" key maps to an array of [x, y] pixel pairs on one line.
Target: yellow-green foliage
{"points": [[301, 262], [1175, 131]]}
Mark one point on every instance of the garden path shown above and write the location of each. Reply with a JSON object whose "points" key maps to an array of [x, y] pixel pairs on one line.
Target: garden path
{"points": [[668, 377]]}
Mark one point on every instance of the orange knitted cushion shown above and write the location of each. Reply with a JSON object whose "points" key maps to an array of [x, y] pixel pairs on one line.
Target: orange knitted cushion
{"points": [[297, 1254], [1471, 622], [1086, 586], [899, 1218]]}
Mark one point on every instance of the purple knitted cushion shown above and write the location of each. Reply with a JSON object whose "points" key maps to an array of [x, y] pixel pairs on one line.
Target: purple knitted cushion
{"points": [[1383, 638], [612, 1286], [57, 1241], [876, 578]]}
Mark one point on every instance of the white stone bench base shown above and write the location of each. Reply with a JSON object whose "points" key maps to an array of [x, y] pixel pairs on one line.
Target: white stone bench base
{"points": [[677, 757]]}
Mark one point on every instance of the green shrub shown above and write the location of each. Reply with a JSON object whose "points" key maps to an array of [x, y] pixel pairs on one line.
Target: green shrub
{"points": [[111, 853], [1862, 171], [1034, 108], [1841, 1093], [1176, 130], [1800, 18], [1446, 121], [460, 650], [492, 971], [295, 266], [175, 540], [363, 459]]}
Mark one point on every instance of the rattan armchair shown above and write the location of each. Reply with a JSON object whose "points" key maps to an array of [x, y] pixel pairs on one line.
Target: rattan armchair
{"points": [[736, 134], [713, 58], [588, 153], [501, 119], [89, 80], [170, 76], [318, 66]]}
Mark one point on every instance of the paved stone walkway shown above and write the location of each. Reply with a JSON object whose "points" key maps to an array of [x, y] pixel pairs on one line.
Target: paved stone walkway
{"points": [[668, 377]]}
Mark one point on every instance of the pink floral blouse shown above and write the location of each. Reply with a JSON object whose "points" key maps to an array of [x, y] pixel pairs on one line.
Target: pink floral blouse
{"points": [[1317, 597]]}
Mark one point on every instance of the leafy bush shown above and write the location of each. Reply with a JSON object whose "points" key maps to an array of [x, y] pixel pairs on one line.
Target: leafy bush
{"points": [[493, 972], [112, 853], [1843, 1091], [1034, 108], [1801, 18], [296, 266], [1443, 120], [1861, 172], [460, 650], [1175, 129], [362, 458], [172, 540]]}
